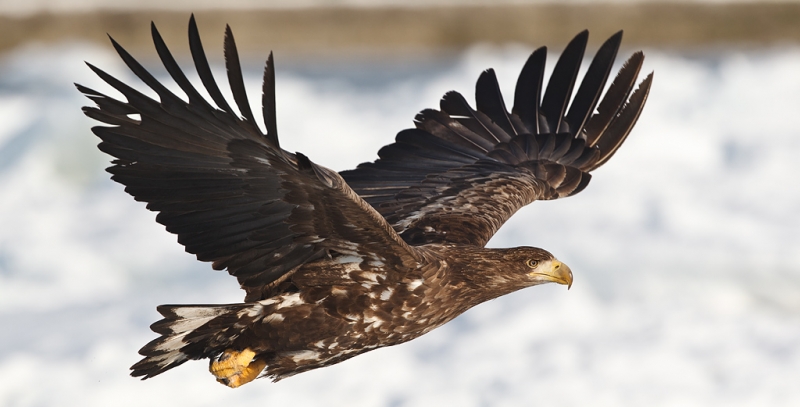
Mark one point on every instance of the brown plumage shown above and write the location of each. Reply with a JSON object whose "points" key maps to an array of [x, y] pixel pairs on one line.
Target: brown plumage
{"points": [[334, 265]]}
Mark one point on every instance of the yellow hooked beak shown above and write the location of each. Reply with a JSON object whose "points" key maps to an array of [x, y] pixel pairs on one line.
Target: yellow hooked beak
{"points": [[553, 271]]}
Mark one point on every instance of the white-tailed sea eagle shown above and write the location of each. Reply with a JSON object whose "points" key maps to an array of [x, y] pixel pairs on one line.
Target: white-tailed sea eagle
{"points": [[337, 264]]}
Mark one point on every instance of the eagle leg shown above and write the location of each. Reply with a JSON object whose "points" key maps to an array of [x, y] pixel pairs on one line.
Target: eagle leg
{"points": [[233, 368]]}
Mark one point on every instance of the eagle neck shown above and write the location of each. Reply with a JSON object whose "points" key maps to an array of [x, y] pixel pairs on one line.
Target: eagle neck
{"points": [[476, 274]]}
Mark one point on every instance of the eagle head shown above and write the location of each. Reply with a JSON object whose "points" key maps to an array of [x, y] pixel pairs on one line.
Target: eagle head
{"points": [[542, 267], [521, 267]]}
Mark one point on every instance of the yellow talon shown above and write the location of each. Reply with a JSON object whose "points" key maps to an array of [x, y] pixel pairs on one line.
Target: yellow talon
{"points": [[234, 368]]}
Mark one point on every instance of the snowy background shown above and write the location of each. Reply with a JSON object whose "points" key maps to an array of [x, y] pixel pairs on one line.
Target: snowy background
{"points": [[685, 246]]}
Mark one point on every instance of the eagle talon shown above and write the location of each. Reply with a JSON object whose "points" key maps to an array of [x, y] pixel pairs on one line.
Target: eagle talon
{"points": [[233, 368]]}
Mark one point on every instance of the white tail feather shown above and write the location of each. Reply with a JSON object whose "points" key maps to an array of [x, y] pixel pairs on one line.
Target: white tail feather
{"points": [[186, 334]]}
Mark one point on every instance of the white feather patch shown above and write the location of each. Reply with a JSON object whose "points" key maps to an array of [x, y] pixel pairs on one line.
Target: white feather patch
{"points": [[386, 294], [253, 311], [197, 312], [169, 358], [273, 318], [187, 325], [349, 259], [290, 300], [412, 285], [302, 355]]}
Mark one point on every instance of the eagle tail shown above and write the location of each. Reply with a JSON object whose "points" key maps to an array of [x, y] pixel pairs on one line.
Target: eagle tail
{"points": [[188, 332]]}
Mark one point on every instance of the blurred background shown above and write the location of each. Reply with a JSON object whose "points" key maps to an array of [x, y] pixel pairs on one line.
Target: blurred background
{"points": [[685, 247]]}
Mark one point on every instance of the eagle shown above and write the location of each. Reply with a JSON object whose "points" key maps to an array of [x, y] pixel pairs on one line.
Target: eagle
{"points": [[337, 264]]}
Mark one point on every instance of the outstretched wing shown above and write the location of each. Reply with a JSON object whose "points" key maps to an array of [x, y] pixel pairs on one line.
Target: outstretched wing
{"points": [[461, 173], [229, 192]]}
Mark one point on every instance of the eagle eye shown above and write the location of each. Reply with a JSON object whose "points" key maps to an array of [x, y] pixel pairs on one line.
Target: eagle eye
{"points": [[532, 263]]}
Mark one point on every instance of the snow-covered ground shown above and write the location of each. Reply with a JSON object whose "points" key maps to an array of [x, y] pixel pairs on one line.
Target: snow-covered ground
{"points": [[685, 247]]}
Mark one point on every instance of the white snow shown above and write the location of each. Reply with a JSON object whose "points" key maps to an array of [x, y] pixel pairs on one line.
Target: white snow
{"points": [[684, 247]]}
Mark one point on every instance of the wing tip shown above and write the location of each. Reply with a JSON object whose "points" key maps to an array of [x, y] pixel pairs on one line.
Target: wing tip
{"points": [[624, 122]]}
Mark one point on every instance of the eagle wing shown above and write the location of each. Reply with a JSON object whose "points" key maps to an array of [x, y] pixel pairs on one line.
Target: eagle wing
{"points": [[229, 192], [461, 173]]}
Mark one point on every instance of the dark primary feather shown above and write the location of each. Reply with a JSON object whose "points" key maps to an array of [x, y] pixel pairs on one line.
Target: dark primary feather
{"points": [[268, 102], [528, 93], [175, 71], [235, 78], [592, 86], [490, 101], [228, 191], [203, 69], [559, 89], [432, 181], [623, 123]]}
